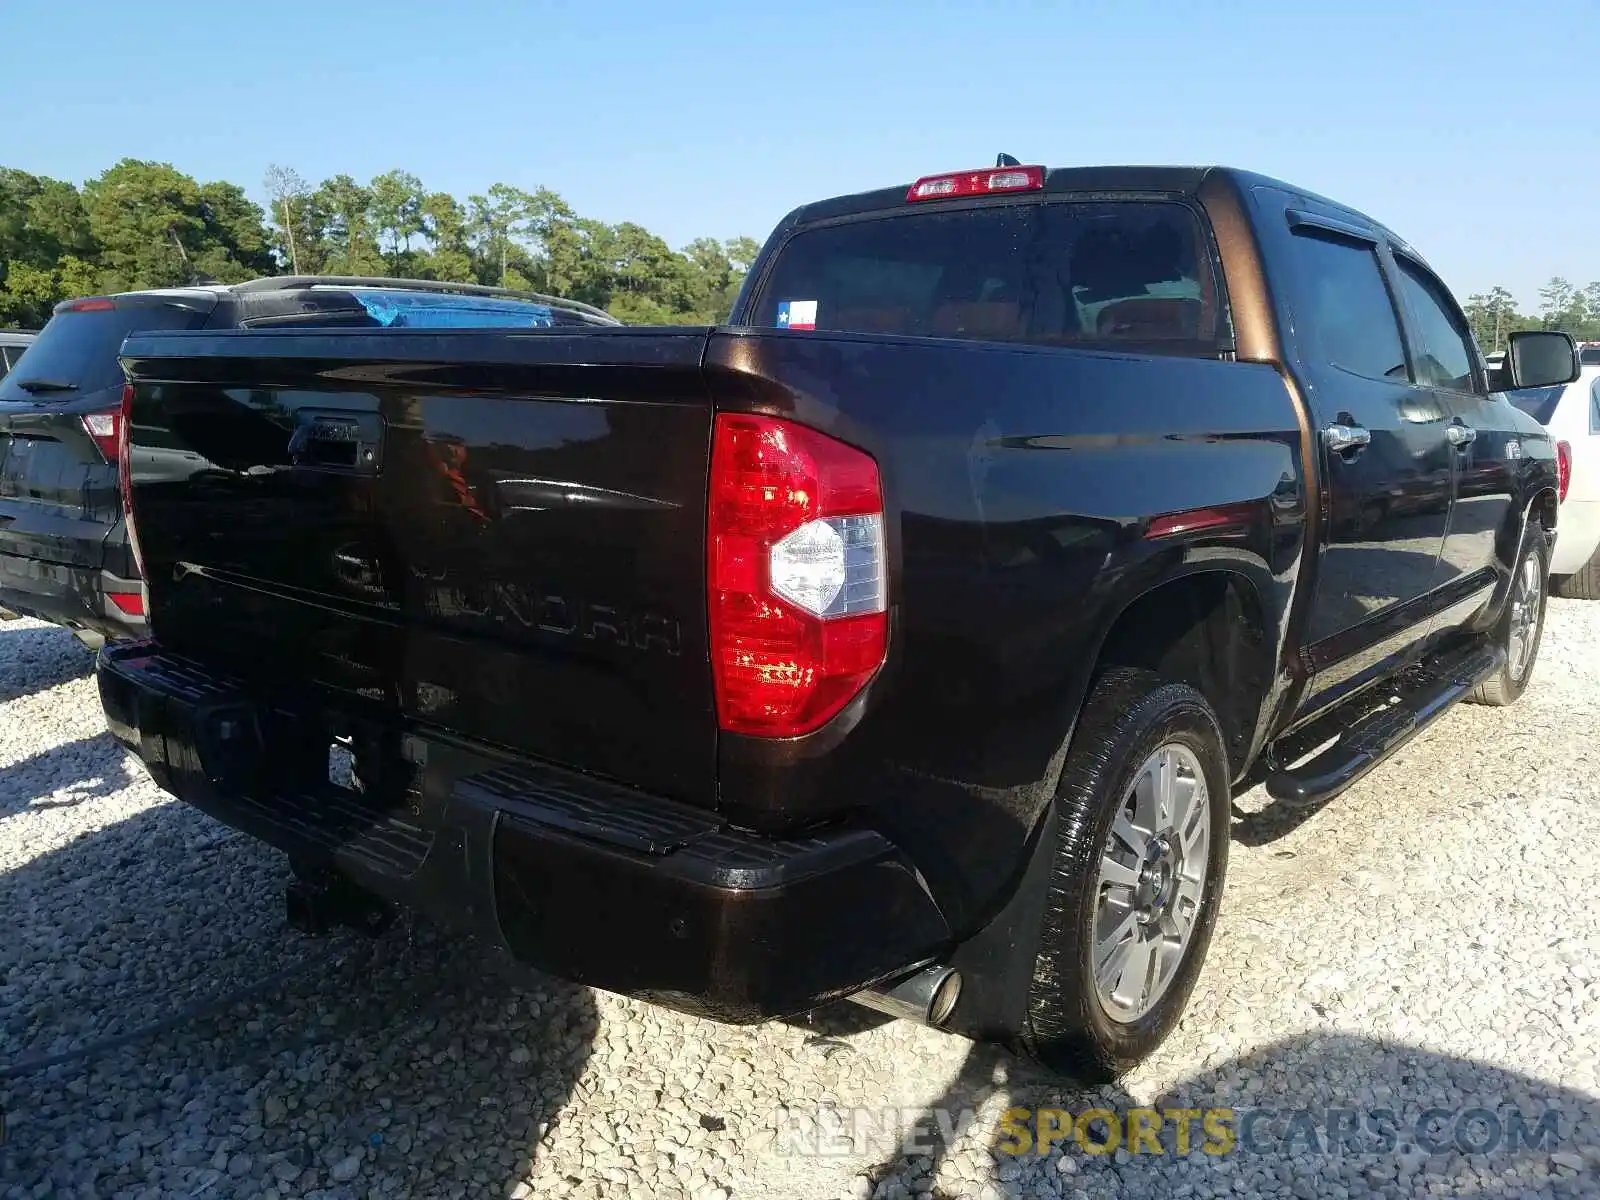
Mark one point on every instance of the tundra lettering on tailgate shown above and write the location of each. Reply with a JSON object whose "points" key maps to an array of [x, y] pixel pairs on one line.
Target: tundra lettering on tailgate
{"points": [[595, 621]]}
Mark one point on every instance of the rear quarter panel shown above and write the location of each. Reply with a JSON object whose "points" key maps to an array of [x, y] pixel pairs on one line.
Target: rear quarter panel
{"points": [[1019, 484]]}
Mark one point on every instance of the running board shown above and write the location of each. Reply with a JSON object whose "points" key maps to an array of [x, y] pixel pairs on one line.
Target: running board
{"points": [[1420, 695]]}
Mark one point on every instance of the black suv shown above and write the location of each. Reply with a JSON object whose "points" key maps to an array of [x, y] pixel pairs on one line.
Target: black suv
{"points": [[64, 555]]}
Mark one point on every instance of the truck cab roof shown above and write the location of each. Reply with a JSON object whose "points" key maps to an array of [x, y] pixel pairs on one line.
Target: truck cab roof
{"points": [[1102, 182]]}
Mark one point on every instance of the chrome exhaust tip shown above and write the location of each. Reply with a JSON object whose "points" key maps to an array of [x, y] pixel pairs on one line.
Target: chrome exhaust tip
{"points": [[927, 996]]}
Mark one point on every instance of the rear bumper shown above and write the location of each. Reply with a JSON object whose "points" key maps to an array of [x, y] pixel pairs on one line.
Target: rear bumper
{"points": [[584, 879], [1577, 536], [77, 597]]}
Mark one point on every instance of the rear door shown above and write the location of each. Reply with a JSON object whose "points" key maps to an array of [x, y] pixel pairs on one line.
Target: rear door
{"points": [[58, 488], [1481, 432], [1385, 460]]}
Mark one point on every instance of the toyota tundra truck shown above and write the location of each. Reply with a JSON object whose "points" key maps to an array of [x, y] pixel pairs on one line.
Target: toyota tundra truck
{"points": [[904, 638]]}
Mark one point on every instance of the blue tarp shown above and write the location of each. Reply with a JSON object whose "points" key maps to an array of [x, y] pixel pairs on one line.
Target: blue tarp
{"points": [[431, 310]]}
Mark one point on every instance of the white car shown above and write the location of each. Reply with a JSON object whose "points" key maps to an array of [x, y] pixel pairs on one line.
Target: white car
{"points": [[1572, 415]]}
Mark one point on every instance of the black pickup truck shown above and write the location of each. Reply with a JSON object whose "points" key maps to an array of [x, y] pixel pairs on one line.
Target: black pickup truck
{"points": [[903, 639]]}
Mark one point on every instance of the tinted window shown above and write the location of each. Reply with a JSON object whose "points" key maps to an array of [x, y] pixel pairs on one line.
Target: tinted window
{"points": [[1589, 356], [80, 348], [11, 353], [1594, 406], [1049, 274], [1347, 316], [1443, 350]]}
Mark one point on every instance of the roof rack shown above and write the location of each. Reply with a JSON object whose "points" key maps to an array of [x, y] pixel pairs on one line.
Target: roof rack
{"points": [[283, 283]]}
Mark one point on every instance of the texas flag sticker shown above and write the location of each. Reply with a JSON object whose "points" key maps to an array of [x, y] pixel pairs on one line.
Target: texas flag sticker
{"points": [[797, 314]]}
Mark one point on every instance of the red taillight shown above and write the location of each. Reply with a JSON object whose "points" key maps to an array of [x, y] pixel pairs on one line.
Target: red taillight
{"points": [[125, 473], [129, 603], [92, 304], [103, 428], [795, 575], [977, 183], [1563, 470]]}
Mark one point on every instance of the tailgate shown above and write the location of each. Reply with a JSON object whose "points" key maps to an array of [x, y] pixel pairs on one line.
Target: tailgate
{"points": [[496, 534]]}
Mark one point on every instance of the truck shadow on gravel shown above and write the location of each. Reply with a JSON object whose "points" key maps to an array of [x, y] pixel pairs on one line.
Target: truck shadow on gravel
{"points": [[1312, 1115], [418, 1064], [35, 658], [64, 776]]}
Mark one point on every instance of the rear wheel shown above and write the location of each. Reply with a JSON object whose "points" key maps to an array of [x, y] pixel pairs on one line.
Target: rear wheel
{"points": [[1521, 625], [1141, 854]]}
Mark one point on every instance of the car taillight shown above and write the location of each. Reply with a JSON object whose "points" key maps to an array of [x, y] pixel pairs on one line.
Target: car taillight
{"points": [[130, 604], [796, 578], [977, 183], [1563, 470], [102, 428], [125, 474]]}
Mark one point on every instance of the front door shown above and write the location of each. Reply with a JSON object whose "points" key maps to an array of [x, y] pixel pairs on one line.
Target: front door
{"points": [[1386, 466]]}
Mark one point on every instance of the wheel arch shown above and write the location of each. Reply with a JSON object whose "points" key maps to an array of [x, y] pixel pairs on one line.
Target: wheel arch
{"points": [[1210, 628]]}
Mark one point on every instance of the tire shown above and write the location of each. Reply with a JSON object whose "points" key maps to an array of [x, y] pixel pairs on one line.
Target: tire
{"points": [[1507, 684], [1582, 584], [1132, 718]]}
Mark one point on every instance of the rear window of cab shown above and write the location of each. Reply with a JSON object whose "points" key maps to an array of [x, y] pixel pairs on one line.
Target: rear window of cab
{"points": [[1050, 273]]}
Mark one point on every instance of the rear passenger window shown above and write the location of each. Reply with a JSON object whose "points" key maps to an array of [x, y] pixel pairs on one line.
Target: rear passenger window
{"points": [[1347, 314], [1444, 347]]}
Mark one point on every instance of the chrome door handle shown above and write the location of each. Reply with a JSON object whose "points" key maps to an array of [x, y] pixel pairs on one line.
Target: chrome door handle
{"points": [[1460, 435], [1340, 438]]}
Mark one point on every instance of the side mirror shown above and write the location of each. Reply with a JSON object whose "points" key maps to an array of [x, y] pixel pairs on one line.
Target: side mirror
{"points": [[1540, 358]]}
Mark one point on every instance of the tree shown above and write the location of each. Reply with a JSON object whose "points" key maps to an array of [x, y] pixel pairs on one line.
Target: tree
{"points": [[236, 245], [157, 227], [145, 216], [347, 242], [397, 199], [496, 220], [146, 224], [445, 225], [1493, 316], [46, 249], [1560, 305], [717, 271], [290, 197], [1591, 304]]}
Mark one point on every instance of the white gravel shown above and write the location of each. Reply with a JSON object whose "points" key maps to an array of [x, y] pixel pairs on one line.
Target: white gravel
{"points": [[1429, 940]]}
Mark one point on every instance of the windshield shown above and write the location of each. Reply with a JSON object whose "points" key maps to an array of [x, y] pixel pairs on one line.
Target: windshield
{"points": [[1063, 274], [77, 351]]}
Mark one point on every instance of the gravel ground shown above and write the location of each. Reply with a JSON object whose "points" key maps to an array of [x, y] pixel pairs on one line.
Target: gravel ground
{"points": [[1429, 940]]}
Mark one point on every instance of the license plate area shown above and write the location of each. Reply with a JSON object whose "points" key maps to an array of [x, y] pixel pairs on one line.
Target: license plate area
{"points": [[318, 750]]}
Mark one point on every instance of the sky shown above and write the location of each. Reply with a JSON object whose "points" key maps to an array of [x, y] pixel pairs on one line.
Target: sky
{"points": [[1470, 128]]}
